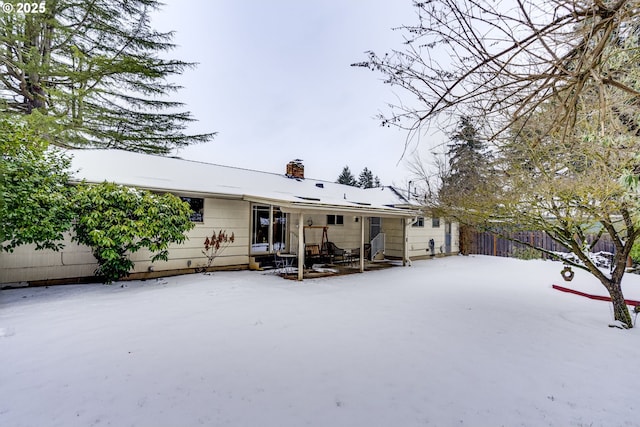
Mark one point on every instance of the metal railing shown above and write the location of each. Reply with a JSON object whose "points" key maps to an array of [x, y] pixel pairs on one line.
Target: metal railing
{"points": [[377, 245]]}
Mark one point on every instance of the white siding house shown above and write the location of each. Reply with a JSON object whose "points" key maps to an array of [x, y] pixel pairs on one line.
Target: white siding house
{"points": [[267, 212]]}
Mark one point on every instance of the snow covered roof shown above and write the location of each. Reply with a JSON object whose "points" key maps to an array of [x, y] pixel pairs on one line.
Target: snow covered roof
{"points": [[187, 177]]}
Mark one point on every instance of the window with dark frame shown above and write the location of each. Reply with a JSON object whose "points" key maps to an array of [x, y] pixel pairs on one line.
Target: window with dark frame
{"points": [[197, 208], [335, 220], [269, 229], [435, 222], [419, 222], [260, 229]]}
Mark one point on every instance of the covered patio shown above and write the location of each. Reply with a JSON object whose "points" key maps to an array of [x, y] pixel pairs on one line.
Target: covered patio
{"points": [[318, 257], [332, 230]]}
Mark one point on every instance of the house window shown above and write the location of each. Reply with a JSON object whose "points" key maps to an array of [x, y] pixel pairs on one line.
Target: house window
{"points": [[419, 222], [268, 229], [197, 208], [279, 234], [261, 220], [435, 222], [335, 220]]}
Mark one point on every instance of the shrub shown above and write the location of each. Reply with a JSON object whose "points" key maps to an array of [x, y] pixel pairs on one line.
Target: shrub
{"points": [[635, 252], [115, 221], [216, 244], [34, 195]]}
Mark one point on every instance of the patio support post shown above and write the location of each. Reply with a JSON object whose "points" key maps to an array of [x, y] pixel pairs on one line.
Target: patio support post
{"points": [[405, 238], [362, 252], [270, 230], [300, 245]]}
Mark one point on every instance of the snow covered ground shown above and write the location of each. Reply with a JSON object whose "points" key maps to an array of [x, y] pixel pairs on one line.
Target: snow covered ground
{"points": [[459, 341]]}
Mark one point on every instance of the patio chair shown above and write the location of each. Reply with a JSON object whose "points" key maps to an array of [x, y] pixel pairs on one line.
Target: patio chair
{"points": [[312, 253], [333, 251], [367, 251], [278, 261], [355, 253]]}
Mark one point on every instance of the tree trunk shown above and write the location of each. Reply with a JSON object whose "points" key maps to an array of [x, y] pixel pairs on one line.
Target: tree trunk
{"points": [[620, 309], [34, 97], [32, 90]]}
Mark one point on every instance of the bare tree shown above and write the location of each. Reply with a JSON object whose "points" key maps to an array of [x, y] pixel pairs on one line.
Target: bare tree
{"points": [[553, 86], [499, 61]]}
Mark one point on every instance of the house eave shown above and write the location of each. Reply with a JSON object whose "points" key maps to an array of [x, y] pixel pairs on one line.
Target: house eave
{"points": [[289, 207], [160, 189]]}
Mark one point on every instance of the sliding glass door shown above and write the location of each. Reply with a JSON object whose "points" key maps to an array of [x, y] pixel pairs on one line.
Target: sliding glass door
{"points": [[268, 229]]}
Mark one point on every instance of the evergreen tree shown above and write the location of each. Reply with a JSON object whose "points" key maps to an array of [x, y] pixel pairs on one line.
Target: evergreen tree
{"points": [[467, 158], [346, 177], [365, 180], [94, 70]]}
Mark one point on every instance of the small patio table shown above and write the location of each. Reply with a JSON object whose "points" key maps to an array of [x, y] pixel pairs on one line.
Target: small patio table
{"points": [[288, 261]]}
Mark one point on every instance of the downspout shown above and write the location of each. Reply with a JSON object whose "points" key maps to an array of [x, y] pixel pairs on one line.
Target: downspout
{"points": [[405, 247]]}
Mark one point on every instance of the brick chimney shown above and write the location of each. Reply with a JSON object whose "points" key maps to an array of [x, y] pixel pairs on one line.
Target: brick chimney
{"points": [[295, 169]]}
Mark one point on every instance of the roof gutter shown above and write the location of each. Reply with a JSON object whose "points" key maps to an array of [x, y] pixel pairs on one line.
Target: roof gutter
{"points": [[174, 191], [368, 211]]}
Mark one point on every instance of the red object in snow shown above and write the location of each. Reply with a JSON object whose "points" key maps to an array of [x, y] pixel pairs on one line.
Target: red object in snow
{"points": [[596, 297]]}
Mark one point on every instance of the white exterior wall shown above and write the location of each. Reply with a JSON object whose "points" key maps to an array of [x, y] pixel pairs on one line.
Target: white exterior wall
{"points": [[74, 261], [231, 216], [393, 230], [418, 239], [345, 236], [27, 264]]}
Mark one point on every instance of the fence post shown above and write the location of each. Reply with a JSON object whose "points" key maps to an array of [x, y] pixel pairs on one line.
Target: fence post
{"points": [[495, 245]]}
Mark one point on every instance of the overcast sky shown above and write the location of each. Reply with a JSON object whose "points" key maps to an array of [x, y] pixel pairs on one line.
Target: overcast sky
{"points": [[274, 79]]}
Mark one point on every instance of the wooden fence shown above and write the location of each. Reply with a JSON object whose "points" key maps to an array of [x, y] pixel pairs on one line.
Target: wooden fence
{"points": [[485, 243]]}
